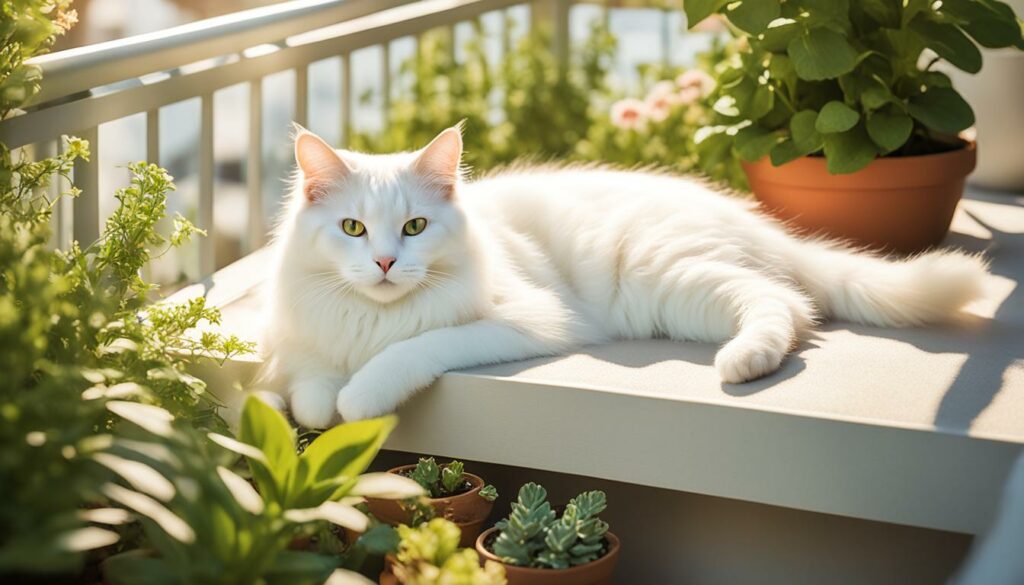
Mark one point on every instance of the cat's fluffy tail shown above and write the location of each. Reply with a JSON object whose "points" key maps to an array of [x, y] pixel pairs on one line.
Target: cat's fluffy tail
{"points": [[865, 288]]}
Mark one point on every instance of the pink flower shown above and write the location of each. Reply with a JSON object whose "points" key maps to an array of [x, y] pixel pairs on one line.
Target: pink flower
{"points": [[689, 95], [661, 99], [698, 79], [629, 114]]}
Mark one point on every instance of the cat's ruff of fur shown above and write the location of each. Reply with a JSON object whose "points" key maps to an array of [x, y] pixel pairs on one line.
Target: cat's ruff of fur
{"points": [[538, 261]]}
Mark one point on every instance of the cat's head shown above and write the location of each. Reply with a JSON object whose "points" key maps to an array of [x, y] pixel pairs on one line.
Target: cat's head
{"points": [[381, 226]]}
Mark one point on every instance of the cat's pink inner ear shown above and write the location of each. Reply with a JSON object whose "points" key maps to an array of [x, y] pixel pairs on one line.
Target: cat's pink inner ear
{"points": [[439, 161], [320, 165]]}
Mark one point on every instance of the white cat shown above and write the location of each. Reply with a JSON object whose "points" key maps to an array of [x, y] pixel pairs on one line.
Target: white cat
{"points": [[391, 270]]}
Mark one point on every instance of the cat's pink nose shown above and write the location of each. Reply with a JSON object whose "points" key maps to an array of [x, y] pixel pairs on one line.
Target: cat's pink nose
{"points": [[385, 263]]}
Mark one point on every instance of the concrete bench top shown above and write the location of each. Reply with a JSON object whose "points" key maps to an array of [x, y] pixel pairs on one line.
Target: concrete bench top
{"points": [[910, 426]]}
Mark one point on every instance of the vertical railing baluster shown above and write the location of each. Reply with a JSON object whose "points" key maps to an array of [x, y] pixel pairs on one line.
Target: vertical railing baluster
{"points": [[562, 41], [152, 157], [302, 95], [385, 86], [666, 38], [254, 171], [204, 218], [153, 136], [452, 47], [346, 99], [86, 209], [506, 31]]}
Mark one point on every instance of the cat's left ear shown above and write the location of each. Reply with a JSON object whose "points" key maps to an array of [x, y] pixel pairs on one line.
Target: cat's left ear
{"points": [[439, 162]]}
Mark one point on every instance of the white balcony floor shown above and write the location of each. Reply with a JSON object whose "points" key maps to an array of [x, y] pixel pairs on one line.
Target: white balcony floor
{"points": [[912, 426]]}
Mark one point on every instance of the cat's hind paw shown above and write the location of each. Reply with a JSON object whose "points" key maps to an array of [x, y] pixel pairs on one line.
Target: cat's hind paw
{"points": [[741, 361]]}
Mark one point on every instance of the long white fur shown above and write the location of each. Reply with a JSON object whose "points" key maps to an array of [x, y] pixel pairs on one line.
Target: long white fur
{"points": [[537, 261]]}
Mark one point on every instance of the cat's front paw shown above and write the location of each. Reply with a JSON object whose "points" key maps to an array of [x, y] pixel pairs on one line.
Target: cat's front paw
{"points": [[357, 401], [741, 361], [312, 403]]}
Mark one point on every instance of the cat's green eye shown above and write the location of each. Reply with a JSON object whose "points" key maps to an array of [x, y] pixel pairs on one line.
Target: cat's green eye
{"points": [[353, 227], [414, 227]]}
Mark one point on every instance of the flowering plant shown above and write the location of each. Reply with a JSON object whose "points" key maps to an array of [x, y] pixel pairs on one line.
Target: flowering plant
{"points": [[664, 127]]}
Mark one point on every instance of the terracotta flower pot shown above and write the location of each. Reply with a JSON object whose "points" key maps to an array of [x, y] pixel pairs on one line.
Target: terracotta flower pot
{"points": [[897, 204], [387, 576], [467, 510], [597, 572]]}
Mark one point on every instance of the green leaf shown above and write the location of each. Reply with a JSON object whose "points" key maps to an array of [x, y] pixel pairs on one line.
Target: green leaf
{"points": [[889, 131], [135, 568], [806, 138], [265, 428], [950, 43], [698, 10], [885, 12], [300, 567], [347, 449], [985, 22], [754, 142], [784, 152], [833, 13], [836, 116], [761, 102], [778, 34], [875, 95], [753, 16], [380, 539], [821, 54], [849, 151], [942, 109]]}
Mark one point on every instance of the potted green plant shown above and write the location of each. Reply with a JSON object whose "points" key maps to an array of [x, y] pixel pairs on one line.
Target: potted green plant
{"points": [[540, 547], [845, 126], [203, 523], [429, 554], [451, 493]]}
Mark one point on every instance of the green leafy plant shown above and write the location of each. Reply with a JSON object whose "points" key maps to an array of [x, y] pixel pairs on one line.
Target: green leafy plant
{"points": [[533, 535], [78, 335], [849, 80], [329, 470], [202, 522], [666, 125], [446, 480], [430, 555], [545, 109]]}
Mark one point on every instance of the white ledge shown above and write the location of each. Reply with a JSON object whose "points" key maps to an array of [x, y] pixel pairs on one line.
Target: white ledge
{"points": [[915, 426]]}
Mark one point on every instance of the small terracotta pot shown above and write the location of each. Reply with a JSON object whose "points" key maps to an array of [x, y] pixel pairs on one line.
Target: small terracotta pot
{"points": [[895, 204], [467, 510], [597, 572], [387, 576]]}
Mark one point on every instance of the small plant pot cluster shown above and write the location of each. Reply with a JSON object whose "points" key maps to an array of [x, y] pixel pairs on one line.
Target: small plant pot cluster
{"points": [[453, 494]]}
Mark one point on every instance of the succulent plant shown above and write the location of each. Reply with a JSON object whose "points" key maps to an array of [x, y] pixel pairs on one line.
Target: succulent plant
{"points": [[442, 481], [429, 554], [533, 535]]}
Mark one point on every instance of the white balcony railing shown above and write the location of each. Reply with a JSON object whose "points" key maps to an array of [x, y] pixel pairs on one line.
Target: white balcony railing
{"points": [[95, 85]]}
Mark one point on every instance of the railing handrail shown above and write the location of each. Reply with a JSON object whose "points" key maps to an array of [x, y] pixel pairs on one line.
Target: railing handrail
{"points": [[81, 69]]}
